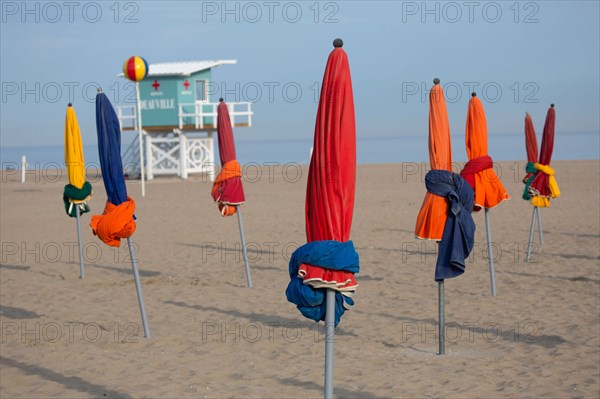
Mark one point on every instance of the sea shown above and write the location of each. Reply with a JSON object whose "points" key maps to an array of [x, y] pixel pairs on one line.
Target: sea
{"points": [[370, 150]]}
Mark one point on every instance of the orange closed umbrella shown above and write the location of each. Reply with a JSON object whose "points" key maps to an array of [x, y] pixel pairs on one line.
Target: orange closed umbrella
{"points": [[488, 188], [432, 216], [434, 211], [479, 172]]}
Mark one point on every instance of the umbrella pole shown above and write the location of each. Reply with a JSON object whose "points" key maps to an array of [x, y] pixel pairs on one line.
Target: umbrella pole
{"points": [[488, 231], [138, 286], [537, 211], [329, 341], [441, 316], [81, 271], [243, 239], [139, 112], [530, 235], [442, 322]]}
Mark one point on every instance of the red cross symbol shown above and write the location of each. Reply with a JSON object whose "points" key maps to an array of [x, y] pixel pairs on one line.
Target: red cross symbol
{"points": [[186, 84], [156, 85]]}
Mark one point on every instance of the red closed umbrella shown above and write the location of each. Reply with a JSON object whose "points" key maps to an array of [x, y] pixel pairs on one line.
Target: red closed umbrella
{"points": [[332, 172], [322, 271]]}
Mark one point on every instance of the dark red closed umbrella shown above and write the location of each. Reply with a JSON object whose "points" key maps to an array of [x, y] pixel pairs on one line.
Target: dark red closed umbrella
{"points": [[228, 189], [530, 140], [541, 181], [531, 145]]}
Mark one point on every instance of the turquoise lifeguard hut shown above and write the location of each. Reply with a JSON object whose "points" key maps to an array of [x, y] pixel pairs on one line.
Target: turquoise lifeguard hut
{"points": [[179, 120]]}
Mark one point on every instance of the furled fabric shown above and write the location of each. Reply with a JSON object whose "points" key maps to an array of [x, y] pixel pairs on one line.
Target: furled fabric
{"points": [[553, 190], [73, 196], [330, 195], [459, 230], [116, 222], [432, 215], [78, 191], [544, 183], [329, 254], [479, 172], [227, 189]]}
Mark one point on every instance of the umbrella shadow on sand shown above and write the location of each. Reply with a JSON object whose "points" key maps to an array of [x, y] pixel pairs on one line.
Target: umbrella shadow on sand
{"points": [[237, 249], [17, 313], [576, 278], [572, 256], [257, 317], [526, 336], [340, 392], [143, 273], [15, 267], [69, 382]]}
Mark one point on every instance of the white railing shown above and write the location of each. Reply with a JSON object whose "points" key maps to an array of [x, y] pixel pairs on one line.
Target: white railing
{"points": [[131, 159], [195, 114], [127, 115], [171, 154]]}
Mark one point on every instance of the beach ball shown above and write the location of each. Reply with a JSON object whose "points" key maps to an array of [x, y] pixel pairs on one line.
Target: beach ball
{"points": [[135, 68]]}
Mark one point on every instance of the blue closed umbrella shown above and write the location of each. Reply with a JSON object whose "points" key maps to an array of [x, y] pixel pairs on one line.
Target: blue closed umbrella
{"points": [[109, 150], [119, 208]]}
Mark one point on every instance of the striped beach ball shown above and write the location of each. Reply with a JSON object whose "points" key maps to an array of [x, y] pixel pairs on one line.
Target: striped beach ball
{"points": [[135, 68]]}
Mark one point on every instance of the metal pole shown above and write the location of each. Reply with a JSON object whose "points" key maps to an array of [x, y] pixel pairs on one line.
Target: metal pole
{"points": [[139, 112], [329, 341], [537, 211], [488, 231], [81, 271], [138, 286], [243, 239], [23, 168], [442, 322], [530, 235]]}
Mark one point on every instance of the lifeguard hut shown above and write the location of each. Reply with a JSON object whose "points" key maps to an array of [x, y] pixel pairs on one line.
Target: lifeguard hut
{"points": [[179, 120]]}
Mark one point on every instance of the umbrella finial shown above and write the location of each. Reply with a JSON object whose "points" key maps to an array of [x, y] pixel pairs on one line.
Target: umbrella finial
{"points": [[551, 105], [338, 43], [436, 81], [221, 99], [473, 94], [69, 105], [99, 90]]}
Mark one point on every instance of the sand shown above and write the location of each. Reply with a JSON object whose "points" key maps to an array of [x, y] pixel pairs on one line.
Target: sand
{"points": [[212, 337]]}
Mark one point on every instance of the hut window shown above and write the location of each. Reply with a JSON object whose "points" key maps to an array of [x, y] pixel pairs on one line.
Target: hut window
{"points": [[201, 91]]}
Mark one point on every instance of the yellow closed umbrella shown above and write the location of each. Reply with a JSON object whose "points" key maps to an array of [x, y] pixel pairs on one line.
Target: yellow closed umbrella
{"points": [[79, 191], [73, 150]]}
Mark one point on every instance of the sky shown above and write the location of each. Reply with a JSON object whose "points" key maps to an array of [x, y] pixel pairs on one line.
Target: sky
{"points": [[518, 56]]}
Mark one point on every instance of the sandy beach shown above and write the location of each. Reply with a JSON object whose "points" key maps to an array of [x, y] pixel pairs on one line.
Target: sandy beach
{"points": [[66, 337]]}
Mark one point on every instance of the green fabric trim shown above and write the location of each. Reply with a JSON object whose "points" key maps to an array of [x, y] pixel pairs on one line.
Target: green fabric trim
{"points": [[73, 193], [529, 168]]}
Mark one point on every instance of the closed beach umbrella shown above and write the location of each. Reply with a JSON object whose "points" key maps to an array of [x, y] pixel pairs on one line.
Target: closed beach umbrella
{"points": [[227, 190], [544, 186], [479, 172], [79, 191], [322, 271], [432, 216], [445, 215], [540, 183], [117, 220], [531, 147]]}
